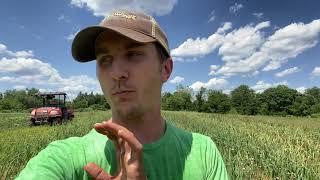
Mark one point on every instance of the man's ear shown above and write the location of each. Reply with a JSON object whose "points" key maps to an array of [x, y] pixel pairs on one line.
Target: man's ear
{"points": [[166, 69]]}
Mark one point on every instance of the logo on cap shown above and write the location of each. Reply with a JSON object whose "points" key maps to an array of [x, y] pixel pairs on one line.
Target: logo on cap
{"points": [[124, 15]]}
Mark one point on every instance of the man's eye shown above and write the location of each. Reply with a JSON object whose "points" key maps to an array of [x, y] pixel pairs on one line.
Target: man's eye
{"points": [[105, 60], [134, 54]]}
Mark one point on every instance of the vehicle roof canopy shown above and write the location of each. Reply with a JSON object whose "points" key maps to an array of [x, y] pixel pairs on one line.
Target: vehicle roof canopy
{"points": [[50, 93]]}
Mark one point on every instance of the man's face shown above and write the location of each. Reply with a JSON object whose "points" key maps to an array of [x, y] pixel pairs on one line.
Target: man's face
{"points": [[130, 75]]}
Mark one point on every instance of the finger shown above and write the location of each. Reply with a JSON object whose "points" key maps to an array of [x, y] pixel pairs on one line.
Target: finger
{"points": [[123, 133], [131, 139], [100, 128], [96, 172], [132, 159], [122, 157], [127, 152], [105, 128], [118, 155], [111, 132]]}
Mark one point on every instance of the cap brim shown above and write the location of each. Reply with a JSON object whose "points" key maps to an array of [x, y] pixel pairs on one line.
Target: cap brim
{"points": [[83, 45]]}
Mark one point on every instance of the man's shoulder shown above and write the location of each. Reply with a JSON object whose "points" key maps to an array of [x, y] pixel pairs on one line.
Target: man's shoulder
{"points": [[88, 147], [196, 137], [197, 142], [93, 135], [78, 142]]}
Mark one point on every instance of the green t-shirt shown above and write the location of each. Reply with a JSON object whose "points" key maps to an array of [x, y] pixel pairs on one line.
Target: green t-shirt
{"points": [[176, 155]]}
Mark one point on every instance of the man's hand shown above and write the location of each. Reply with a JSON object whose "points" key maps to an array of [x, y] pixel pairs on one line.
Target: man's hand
{"points": [[128, 150]]}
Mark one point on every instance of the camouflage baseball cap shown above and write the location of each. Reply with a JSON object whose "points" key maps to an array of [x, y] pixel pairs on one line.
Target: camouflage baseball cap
{"points": [[139, 27]]}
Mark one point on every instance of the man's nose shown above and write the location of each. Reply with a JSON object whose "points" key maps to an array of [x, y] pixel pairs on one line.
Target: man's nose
{"points": [[119, 69]]}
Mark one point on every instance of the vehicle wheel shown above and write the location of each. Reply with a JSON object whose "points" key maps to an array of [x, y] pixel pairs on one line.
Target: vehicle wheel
{"points": [[70, 117], [58, 121], [32, 122], [51, 121]]}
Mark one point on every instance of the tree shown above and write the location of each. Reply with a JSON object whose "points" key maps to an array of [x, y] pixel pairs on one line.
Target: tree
{"points": [[315, 108], [218, 102], [315, 93], [11, 104], [15, 100], [199, 103], [245, 100], [179, 100], [95, 101], [165, 100], [302, 105], [278, 100], [80, 104]]}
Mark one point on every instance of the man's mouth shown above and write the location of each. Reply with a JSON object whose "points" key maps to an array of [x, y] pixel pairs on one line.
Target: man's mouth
{"points": [[124, 92]]}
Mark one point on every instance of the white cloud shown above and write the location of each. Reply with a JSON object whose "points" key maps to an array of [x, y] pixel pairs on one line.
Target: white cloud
{"points": [[46, 90], [243, 42], [258, 15], [261, 86], [214, 83], [179, 59], [276, 27], [235, 45], [213, 69], [26, 66], [301, 89], [246, 50], [31, 72], [103, 7], [277, 49], [287, 72], [36, 36], [255, 73], [212, 16], [195, 48], [64, 18], [239, 50], [227, 91], [236, 7], [176, 80], [289, 42], [71, 36], [316, 71], [19, 87], [23, 54], [225, 27], [6, 79]]}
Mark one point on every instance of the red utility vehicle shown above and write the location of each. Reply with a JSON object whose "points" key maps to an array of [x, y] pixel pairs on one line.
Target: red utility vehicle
{"points": [[53, 109]]}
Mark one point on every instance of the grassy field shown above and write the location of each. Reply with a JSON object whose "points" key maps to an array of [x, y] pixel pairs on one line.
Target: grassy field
{"points": [[253, 147]]}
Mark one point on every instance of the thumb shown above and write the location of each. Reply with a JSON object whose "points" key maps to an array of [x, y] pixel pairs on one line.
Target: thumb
{"points": [[96, 172]]}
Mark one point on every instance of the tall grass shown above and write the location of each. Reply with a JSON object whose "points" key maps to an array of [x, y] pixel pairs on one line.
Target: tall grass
{"points": [[260, 147], [255, 147]]}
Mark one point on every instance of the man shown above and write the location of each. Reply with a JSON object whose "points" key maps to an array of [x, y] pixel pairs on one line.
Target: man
{"points": [[132, 63]]}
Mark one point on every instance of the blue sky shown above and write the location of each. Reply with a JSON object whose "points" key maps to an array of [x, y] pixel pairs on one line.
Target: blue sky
{"points": [[214, 44]]}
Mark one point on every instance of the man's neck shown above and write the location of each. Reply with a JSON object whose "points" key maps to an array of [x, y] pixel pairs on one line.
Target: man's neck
{"points": [[147, 129]]}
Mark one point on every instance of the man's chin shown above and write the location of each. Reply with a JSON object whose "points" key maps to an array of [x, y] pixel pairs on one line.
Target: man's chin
{"points": [[128, 111]]}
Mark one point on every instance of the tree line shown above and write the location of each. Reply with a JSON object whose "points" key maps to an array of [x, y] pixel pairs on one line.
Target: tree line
{"points": [[24, 101], [280, 100]]}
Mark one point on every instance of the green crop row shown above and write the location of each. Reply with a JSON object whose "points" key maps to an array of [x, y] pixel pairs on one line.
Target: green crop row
{"points": [[253, 147]]}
